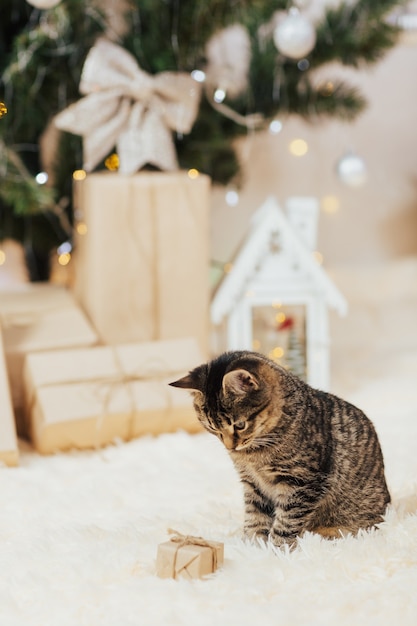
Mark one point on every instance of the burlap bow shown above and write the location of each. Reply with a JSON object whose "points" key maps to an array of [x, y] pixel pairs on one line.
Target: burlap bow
{"points": [[128, 108]]}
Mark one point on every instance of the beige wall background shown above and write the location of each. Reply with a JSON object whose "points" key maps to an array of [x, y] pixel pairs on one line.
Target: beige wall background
{"points": [[373, 223]]}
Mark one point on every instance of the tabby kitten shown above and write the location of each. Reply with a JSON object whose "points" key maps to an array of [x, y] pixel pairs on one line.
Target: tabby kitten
{"points": [[308, 460]]}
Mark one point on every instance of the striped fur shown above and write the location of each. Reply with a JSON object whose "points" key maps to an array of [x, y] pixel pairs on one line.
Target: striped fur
{"points": [[307, 460]]}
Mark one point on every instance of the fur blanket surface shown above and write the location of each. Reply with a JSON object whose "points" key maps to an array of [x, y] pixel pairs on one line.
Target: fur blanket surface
{"points": [[79, 531]]}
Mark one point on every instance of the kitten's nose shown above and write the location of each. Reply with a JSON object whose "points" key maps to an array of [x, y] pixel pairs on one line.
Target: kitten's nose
{"points": [[228, 441]]}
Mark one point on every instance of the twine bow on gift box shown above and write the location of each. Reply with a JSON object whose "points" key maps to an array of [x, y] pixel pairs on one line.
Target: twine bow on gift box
{"points": [[155, 370], [188, 540], [104, 388], [130, 109]]}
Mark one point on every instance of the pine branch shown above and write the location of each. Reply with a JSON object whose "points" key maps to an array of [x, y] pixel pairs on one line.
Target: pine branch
{"points": [[19, 189], [333, 99], [355, 34]]}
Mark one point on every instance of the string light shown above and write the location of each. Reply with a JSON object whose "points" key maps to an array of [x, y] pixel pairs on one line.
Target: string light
{"points": [[64, 253], [3, 109], [219, 95], [64, 248], [81, 228], [275, 127], [2, 257], [327, 89], [303, 65], [41, 178], [198, 75], [193, 173], [112, 162], [232, 197], [298, 147], [277, 353], [64, 259], [280, 317], [330, 204], [79, 174]]}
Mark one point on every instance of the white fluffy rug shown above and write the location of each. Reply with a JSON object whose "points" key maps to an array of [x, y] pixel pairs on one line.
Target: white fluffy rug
{"points": [[79, 532]]}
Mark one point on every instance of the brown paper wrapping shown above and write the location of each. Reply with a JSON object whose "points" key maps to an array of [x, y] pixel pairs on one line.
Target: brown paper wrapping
{"points": [[188, 557], [9, 453], [142, 268], [90, 397], [34, 318]]}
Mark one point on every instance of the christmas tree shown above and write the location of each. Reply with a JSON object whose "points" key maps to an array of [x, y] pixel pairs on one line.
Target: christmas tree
{"points": [[255, 62]]}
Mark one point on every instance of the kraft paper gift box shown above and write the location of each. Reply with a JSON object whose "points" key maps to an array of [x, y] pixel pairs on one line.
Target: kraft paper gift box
{"points": [[88, 398], [188, 557], [9, 453], [142, 264], [37, 317]]}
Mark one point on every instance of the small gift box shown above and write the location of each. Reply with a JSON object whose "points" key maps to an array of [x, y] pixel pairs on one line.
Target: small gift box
{"points": [[90, 397], [188, 557], [8, 443], [38, 318]]}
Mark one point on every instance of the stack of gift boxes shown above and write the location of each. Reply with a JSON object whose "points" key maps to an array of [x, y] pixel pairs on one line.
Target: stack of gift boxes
{"points": [[85, 366]]}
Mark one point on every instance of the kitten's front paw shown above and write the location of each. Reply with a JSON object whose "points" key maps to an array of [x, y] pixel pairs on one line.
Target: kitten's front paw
{"points": [[258, 536], [280, 541]]}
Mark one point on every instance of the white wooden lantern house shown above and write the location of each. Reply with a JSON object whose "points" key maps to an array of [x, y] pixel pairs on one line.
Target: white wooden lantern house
{"points": [[276, 297]]}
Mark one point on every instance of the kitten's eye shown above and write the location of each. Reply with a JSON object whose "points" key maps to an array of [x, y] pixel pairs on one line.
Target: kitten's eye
{"points": [[241, 425]]}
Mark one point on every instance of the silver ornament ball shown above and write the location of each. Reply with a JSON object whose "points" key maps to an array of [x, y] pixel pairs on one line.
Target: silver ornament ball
{"points": [[351, 170], [295, 36], [43, 4]]}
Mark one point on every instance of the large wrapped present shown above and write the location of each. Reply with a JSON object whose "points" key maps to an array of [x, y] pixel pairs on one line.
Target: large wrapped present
{"points": [[188, 557], [9, 453], [88, 398], [142, 258], [36, 317]]}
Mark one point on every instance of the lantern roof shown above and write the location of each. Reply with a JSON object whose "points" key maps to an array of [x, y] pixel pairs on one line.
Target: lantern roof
{"points": [[275, 236]]}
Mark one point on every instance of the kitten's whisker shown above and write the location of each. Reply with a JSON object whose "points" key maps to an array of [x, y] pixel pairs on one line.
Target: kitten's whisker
{"points": [[263, 441]]}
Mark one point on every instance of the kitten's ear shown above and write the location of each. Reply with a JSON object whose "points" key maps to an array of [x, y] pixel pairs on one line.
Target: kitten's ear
{"points": [[190, 381], [239, 382]]}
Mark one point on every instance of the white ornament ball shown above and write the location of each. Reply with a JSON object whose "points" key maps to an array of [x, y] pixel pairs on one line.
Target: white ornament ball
{"points": [[295, 36], [351, 170], [43, 4]]}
